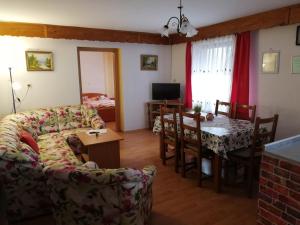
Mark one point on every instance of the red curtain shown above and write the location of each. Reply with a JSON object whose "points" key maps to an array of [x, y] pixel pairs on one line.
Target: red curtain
{"points": [[188, 75], [240, 82]]}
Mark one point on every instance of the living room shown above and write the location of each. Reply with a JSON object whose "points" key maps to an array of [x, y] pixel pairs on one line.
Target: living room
{"points": [[61, 28]]}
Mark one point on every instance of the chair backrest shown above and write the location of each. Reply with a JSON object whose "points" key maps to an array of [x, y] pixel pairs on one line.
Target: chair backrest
{"points": [[190, 135], [262, 135], [241, 108], [174, 104], [168, 123], [227, 104]]}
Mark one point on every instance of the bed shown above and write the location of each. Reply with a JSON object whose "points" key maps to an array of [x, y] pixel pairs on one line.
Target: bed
{"points": [[105, 106]]}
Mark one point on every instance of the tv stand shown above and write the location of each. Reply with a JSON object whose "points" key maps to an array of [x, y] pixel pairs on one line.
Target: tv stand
{"points": [[154, 107]]}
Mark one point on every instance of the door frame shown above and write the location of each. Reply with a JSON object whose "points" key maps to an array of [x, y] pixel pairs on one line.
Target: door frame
{"points": [[117, 78]]}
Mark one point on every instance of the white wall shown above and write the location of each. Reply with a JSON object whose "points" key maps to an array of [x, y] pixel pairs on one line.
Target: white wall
{"points": [[61, 86], [178, 66], [92, 72], [277, 93]]}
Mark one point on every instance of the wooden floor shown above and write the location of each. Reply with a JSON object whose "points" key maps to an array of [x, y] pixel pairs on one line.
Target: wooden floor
{"points": [[177, 200]]}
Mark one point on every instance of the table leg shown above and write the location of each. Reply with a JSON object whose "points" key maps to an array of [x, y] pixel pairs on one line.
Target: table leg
{"points": [[160, 146], [217, 172]]}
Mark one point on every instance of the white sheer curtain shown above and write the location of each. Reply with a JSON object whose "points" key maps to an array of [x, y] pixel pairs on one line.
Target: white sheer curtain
{"points": [[212, 68]]}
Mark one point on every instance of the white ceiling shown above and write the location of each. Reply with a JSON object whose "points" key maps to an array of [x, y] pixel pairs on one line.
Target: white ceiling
{"points": [[132, 15]]}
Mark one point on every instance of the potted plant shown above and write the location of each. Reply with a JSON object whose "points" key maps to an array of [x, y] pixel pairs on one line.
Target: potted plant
{"points": [[197, 107]]}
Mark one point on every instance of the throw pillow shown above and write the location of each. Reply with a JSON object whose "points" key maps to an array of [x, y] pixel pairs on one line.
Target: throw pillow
{"points": [[31, 131], [75, 144], [91, 165], [27, 138]]}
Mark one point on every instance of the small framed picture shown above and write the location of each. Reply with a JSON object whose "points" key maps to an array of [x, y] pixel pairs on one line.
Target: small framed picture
{"points": [[39, 61], [270, 62], [296, 64], [298, 36], [149, 62]]}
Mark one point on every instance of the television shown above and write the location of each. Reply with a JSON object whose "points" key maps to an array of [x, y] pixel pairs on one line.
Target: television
{"points": [[165, 91]]}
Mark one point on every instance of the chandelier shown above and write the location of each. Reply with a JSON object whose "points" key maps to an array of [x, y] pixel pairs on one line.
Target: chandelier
{"points": [[182, 25]]}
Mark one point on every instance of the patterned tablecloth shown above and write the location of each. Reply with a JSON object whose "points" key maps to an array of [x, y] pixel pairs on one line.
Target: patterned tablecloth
{"points": [[220, 135]]}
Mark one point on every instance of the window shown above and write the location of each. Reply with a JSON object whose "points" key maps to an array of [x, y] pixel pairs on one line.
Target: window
{"points": [[212, 69]]}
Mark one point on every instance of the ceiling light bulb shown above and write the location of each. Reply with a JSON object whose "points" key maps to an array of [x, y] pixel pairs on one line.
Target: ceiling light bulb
{"points": [[192, 31], [165, 31]]}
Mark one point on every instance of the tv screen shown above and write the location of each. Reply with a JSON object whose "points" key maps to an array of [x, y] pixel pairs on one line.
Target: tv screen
{"points": [[165, 91]]}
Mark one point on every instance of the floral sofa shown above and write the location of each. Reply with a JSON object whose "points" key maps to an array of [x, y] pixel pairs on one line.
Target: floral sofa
{"points": [[34, 183]]}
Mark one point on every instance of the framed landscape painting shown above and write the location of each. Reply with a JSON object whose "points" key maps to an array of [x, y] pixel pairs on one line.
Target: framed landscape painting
{"points": [[39, 61], [149, 62]]}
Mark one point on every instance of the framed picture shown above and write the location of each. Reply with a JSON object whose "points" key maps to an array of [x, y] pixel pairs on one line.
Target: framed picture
{"points": [[39, 61], [298, 36], [149, 62], [270, 62], [296, 64]]}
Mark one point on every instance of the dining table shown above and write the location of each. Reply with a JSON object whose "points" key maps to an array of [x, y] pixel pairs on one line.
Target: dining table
{"points": [[220, 135]]}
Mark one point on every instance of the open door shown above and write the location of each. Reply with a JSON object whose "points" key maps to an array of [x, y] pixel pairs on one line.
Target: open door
{"points": [[99, 82]]}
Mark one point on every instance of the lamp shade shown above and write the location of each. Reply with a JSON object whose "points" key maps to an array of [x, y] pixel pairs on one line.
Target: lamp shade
{"points": [[165, 31]]}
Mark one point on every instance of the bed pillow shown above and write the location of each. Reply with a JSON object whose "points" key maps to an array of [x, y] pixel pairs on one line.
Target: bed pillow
{"points": [[27, 138], [96, 98], [103, 97]]}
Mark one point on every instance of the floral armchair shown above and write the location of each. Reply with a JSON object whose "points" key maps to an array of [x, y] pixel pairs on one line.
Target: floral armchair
{"points": [[101, 196]]}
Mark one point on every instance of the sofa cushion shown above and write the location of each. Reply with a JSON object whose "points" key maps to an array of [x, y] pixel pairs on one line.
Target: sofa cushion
{"points": [[69, 117], [10, 141], [88, 113], [41, 121], [27, 138], [67, 133], [54, 150]]}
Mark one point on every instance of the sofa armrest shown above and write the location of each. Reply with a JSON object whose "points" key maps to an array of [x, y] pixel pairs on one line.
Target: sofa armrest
{"points": [[81, 174], [101, 196]]}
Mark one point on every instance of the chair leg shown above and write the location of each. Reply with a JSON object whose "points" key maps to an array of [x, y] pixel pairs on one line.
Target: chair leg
{"points": [[212, 167], [226, 172], [199, 170], [177, 154], [182, 163], [165, 146], [250, 181]]}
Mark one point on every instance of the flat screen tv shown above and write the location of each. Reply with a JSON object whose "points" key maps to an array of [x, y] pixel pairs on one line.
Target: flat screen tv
{"points": [[165, 91]]}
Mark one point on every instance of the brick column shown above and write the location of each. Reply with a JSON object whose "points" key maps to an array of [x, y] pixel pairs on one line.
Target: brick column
{"points": [[279, 192]]}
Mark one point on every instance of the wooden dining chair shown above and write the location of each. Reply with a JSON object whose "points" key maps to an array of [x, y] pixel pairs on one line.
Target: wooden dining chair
{"points": [[190, 142], [169, 136], [248, 109], [248, 157], [226, 104]]}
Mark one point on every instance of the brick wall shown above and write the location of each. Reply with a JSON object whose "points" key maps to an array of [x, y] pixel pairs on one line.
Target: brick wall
{"points": [[279, 192]]}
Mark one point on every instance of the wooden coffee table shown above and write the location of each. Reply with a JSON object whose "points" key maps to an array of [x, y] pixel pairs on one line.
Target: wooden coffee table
{"points": [[103, 149]]}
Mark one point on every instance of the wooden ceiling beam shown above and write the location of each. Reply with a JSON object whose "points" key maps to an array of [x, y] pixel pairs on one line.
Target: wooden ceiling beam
{"points": [[277, 17], [294, 14], [79, 33]]}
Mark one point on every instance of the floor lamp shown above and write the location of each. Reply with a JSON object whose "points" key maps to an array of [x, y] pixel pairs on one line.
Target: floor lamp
{"points": [[12, 90]]}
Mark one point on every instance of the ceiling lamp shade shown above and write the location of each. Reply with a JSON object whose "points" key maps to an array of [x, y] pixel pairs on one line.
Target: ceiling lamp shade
{"points": [[182, 24]]}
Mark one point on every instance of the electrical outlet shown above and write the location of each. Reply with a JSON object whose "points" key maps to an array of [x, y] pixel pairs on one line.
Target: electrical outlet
{"points": [[29, 85]]}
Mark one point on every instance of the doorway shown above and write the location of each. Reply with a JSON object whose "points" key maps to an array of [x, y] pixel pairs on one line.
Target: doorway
{"points": [[99, 83]]}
